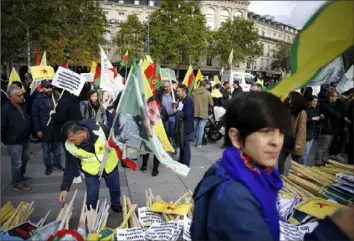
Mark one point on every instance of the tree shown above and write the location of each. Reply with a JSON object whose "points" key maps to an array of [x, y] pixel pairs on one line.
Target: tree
{"points": [[131, 37], [55, 24], [281, 55], [178, 33], [240, 35]]}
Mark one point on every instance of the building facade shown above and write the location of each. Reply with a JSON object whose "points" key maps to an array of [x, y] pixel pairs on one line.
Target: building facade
{"points": [[216, 12]]}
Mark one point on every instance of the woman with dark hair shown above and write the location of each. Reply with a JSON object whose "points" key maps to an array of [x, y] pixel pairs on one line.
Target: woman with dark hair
{"points": [[313, 117], [236, 199], [93, 109], [308, 92], [295, 141]]}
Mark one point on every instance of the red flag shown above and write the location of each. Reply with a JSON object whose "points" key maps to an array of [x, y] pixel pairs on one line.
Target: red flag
{"points": [[38, 58], [131, 164], [66, 65]]}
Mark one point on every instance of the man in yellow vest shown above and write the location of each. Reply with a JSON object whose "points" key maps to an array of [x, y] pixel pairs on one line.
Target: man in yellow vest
{"points": [[86, 142], [259, 79]]}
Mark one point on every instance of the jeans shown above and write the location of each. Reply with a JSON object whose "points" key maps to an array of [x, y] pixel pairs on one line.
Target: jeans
{"points": [[307, 151], [20, 156], [322, 150], [49, 147], [199, 126], [66, 154], [185, 151], [93, 188], [282, 159]]}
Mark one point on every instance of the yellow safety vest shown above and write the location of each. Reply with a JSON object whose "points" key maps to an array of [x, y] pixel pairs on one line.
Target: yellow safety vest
{"points": [[90, 162], [260, 81]]}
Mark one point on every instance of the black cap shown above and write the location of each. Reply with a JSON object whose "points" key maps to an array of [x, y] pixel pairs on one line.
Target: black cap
{"points": [[46, 84]]}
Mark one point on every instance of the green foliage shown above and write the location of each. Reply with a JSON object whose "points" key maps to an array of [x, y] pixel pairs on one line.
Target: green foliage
{"points": [[281, 54], [54, 24], [131, 37], [238, 34], [178, 33]]}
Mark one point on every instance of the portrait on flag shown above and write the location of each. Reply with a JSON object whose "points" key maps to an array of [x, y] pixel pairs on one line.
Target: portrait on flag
{"points": [[138, 121]]}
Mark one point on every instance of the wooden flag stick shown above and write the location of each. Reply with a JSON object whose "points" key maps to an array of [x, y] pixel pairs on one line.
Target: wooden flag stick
{"points": [[130, 213], [83, 208], [125, 209], [45, 218], [134, 220]]}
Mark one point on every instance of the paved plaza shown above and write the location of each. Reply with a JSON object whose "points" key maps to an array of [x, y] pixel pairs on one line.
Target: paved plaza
{"points": [[133, 184]]}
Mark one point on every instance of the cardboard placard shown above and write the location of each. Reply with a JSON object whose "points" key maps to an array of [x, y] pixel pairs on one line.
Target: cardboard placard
{"points": [[164, 231], [147, 218], [130, 234], [68, 80], [186, 228]]}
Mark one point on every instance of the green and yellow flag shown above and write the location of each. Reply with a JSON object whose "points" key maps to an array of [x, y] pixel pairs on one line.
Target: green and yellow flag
{"points": [[327, 34]]}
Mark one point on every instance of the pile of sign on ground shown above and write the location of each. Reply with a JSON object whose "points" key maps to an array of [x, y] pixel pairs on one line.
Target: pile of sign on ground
{"points": [[312, 193], [158, 220]]}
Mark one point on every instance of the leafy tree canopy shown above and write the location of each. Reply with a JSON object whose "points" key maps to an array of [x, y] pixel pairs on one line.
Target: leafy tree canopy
{"points": [[282, 53]]}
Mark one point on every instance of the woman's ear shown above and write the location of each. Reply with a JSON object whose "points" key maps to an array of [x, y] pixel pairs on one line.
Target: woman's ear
{"points": [[234, 136]]}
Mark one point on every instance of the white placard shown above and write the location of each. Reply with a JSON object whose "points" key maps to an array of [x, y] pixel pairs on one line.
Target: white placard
{"points": [[164, 231], [131, 234], [186, 228], [292, 232], [147, 218], [286, 207], [68, 80], [87, 77]]}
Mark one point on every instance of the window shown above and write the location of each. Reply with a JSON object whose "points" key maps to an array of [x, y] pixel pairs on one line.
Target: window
{"points": [[144, 2], [249, 79], [248, 65], [238, 77], [129, 1], [209, 62], [121, 13]]}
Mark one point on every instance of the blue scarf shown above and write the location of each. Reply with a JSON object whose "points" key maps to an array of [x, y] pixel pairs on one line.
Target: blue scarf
{"points": [[263, 184]]}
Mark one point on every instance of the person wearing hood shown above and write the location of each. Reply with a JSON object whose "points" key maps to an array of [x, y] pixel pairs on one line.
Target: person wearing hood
{"points": [[67, 109], [44, 102], [237, 197], [202, 101]]}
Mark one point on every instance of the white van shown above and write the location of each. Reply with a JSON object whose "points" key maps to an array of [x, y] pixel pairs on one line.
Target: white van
{"points": [[245, 79]]}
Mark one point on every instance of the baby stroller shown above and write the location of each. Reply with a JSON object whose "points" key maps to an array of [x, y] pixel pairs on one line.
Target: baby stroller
{"points": [[214, 129]]}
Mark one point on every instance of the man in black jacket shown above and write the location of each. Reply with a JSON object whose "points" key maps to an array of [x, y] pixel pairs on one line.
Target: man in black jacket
{"points": [[15, 132]]}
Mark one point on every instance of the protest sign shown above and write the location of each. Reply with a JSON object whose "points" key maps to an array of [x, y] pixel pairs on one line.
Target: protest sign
{"points": [[147, 218], [295, 233], [168, 208], [131, 234], [164, 231], [167, 74], [87, 77], [317, 207], [138, 122], [68, 80], [186, 228]]}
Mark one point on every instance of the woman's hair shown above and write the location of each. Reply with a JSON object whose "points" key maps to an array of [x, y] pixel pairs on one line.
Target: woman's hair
{"points": [[311, 98], [307, 93], [90, 93], [249, 112], [297, 103]]}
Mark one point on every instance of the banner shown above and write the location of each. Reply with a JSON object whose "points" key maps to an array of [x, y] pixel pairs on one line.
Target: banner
{"points": [[347, 81], [292, 232], [137, 120], [68, 80], [167, 74]]}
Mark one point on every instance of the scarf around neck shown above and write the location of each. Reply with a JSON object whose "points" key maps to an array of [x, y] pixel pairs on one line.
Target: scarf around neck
{"points": [[264, 184]]}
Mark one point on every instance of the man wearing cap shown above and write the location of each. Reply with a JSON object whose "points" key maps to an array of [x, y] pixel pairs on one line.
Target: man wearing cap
{"points": [[51, 145]]}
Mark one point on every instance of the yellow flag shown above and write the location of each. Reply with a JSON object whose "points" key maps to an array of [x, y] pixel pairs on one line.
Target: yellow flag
{"points": [[158, 127], [216, 80], [40, 73], [313, 49], [167, 208], [93, 67], [149, 59], [231, 57], [44, 59], [14, 77], [189, 77], [198, 78], [318, 207]]}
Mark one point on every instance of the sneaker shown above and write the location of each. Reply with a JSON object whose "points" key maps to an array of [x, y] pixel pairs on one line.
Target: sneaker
{"points": [[143, 168], [77, 180], [48, 171], [117, 209], [58, 167], [21, 187]]}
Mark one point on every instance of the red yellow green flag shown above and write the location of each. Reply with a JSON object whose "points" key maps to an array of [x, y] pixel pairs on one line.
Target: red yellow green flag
{"points": [[189, 77]]}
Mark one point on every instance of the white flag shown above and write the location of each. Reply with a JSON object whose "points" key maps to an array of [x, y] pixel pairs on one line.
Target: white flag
{"points": [[111, 80], [231, 57], [44, 59]]}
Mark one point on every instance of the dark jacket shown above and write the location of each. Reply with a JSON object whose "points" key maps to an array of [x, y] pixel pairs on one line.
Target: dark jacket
{"points": [[72, 161], [310, 124], [187, 115], [163, 114], [225, 96], [226, 211], [332, 118], [236, 91], [68, 109], [15, 127], [41, 107], [159, 94]]}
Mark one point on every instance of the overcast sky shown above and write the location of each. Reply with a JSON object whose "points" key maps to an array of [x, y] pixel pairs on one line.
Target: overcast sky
{"points": [[289, 12]]}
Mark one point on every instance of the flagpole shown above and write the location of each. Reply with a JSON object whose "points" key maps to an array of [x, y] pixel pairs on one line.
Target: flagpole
{"points": [[173, 94], [125, 75]]}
